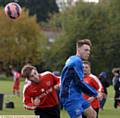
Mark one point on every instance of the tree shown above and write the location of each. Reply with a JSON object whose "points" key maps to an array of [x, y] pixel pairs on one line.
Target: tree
{"points": [[113, 51], [98, 22], [21, 40], [41, 8]]}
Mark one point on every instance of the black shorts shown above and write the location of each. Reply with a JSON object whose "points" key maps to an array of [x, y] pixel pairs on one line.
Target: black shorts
{"points": [[52, 112]]}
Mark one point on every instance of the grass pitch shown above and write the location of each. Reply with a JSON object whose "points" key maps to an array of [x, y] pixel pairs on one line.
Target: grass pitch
{"points": [[6, 89]]}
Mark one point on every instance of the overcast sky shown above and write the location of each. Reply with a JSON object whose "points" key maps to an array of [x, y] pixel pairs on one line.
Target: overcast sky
{"points": [[92, 0]]}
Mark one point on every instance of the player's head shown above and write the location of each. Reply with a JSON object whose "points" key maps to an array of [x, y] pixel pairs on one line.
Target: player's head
{"points": [[83, 48], [116, 71], [103, 75], [86, 67], [31, 73], [56, 73]]}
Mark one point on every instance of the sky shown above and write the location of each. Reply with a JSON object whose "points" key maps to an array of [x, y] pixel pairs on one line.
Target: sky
{"points": [[92, 1]]}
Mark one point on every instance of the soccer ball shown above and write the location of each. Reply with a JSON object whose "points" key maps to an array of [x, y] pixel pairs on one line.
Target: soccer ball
{"points": [[12, 10]]}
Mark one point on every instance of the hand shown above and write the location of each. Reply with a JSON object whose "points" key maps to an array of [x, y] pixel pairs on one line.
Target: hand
{"points": [[91, 99], [56, 86], [100, 96], [37, 101], [104, 95]]}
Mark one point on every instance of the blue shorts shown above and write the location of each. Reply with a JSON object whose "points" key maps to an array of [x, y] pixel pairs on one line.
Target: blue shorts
{"points": [[76, 109]]}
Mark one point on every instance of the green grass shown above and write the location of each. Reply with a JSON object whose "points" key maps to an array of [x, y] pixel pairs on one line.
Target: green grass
{"points": [[6, 88]]}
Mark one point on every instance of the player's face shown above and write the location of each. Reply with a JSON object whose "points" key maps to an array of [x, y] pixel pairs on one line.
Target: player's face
{"points": [[86, 68], [84, 51], [34, 76], [116, 74]]}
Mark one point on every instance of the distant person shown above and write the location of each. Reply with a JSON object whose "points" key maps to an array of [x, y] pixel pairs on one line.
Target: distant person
{"points": [[116, 85], [39, 93], [16, 82], [93, 81], [72, 83], [103, 77]]}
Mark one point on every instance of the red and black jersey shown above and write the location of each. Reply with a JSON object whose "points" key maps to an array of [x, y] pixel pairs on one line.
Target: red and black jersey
{"points": [[93, 81], [16, 80], [45, 90]]}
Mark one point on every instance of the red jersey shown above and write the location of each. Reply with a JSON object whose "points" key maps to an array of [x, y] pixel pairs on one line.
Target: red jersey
{"points": [[16, 79], [45, 90], [93, 81]]}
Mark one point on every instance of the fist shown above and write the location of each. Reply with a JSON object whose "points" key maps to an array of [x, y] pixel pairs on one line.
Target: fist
{"points": [[37, 101], [91, 99], [100, 96]]}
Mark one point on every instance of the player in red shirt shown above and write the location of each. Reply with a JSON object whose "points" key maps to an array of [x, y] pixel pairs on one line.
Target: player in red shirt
{"points": [[39, 93], [93, 81], [16, 82]]}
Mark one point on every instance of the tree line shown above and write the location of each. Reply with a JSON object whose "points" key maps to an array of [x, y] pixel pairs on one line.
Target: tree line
{"points": [[97, 22], [23, 39]]}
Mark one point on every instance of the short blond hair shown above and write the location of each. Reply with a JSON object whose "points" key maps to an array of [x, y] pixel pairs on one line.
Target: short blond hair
{"points": [[115, 70]]}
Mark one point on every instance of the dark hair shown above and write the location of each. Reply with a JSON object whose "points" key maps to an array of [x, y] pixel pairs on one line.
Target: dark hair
{"points": [[26, 71], [103, 75], [86, 62], [82, 42]]}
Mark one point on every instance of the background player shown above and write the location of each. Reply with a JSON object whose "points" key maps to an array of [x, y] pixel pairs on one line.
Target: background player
{"points": [[93, 81]]}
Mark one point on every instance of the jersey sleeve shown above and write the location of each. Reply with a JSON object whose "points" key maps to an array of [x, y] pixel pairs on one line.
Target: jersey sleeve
{"points": [[28, 101], [96, 83]]}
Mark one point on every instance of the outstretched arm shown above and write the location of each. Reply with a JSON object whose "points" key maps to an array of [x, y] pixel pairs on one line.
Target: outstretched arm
{"points": [[81, 85]]}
